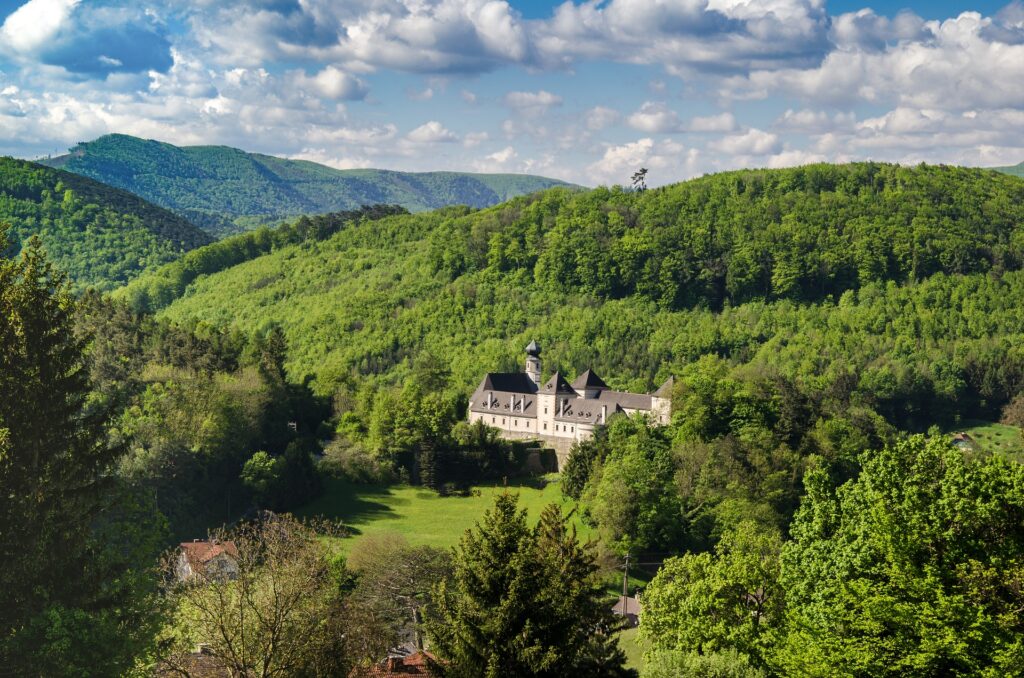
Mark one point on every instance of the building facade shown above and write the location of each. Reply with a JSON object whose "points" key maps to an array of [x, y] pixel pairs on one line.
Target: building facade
{"points": [[556, 412]]}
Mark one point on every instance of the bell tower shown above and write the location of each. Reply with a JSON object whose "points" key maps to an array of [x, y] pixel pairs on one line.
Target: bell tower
{"points": [[533, 363]]}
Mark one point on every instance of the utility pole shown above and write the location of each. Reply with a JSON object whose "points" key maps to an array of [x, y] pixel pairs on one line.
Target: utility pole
{"points": [[625, 584]]}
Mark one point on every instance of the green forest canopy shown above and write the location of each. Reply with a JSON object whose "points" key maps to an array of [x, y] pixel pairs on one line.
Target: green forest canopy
{"points": [[902, 283], [214, 185], [101, 236]]}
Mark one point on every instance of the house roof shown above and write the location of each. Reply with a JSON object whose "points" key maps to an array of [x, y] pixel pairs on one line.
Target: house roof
{"points": [[418, 664], [510, 382], [557, 384], [501, 388], [588, 411], [627, 605], [533, 349], [199, 553], [588, 380], [665, 390]]}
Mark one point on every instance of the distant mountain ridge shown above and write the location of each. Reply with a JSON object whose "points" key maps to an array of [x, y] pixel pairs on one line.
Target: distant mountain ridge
{"points": [[213, 186], [1016, 170], [100, 235]]}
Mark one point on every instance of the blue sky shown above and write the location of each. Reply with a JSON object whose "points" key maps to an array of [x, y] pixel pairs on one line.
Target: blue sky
{"points": [[585, 91]]}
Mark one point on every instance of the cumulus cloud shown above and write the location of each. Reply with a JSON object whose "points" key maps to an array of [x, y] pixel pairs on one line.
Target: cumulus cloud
{"points": [[666, 161], [655, 118], [532, 103], [751, 142], [600, 117], [431, 132], [84, 39], [333, 83], [722, 122]]}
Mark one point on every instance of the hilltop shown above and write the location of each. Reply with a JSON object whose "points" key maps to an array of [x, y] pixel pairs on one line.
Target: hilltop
{"points": [[224, 190], [1016, 170], [100, 235], [901, 283]]}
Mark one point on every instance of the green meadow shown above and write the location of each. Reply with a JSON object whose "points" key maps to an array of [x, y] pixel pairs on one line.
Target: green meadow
{"points": [[424, 517]]}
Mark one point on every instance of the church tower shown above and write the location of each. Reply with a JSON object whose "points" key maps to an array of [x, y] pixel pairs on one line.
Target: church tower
{"points": [[533, 363]]}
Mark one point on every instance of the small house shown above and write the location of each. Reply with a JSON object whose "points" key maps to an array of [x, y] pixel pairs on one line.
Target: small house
{"points": [[209, 558]]}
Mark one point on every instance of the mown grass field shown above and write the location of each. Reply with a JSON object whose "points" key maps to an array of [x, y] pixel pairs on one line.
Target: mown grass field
{"points": [[423, 517], [995, 438]]}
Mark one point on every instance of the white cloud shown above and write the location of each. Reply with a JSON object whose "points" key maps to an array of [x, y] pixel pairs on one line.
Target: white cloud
{"points": [[751, 142], [532, 103], [474, 139], [431, 132], [600, 117], [333, 83], [722, 122], [666, 162], [34, 24], [655, 118]]}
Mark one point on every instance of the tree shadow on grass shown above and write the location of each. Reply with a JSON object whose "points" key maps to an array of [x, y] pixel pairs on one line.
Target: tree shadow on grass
{"points": [[351, 503]]}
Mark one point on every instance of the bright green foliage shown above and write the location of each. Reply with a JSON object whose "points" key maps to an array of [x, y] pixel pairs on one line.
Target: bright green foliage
{"points": [[212, 185], [158, 288], [366, 302], [675, 664], [523, 602], [262, 475], [77, 551], [100, 236], [915, 568], [706, 603]]}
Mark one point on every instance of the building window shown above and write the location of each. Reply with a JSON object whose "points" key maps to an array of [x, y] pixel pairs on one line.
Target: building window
{"points": [[545, 426], [545, 410], [492, 420], [573, 429], [515, 422], [502, 421]]}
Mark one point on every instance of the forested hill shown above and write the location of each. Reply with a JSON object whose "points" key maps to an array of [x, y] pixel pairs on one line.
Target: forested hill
{"points": [[1016, 170], [898, 283], [213, 185], [100, 235]]}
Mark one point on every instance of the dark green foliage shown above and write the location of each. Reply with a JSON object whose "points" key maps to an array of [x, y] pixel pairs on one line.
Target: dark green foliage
{"points": [[912, 569], [208, 183], [78, 548], [523, 602], [100, 236], [193, 405]]}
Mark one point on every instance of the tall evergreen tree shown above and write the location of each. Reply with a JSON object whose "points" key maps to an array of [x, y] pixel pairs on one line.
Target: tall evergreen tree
{"points": [[70, 602], [522, 602]]}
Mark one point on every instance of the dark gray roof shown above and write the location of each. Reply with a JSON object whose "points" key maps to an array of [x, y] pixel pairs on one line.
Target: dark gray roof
{"points": [[532, 348], [557, 384], [589, 410], [588, 380], [511, 382], [502, 387], [665, 390]]}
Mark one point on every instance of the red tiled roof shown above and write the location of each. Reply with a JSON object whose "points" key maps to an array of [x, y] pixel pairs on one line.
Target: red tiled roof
{"points": [[417, 664], [201, 552]]}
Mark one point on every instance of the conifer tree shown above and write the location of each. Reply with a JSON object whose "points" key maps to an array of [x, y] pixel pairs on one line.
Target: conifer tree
{"points": [[69, 604], [523, 602]]}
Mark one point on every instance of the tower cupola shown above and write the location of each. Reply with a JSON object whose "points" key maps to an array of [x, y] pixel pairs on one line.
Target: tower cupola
{"points": [[533, 366]]}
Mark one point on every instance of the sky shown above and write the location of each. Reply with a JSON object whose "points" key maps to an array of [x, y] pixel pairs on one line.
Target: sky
{"points": [[586, 91]]}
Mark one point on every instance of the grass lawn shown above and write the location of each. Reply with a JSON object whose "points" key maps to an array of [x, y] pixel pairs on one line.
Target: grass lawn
{"points": [[995, 438], [422, 516], [634, 652]]}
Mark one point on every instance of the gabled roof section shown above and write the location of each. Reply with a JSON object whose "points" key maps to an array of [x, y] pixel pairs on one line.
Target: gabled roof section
{"points": [[509, 382], [199, 553], [665, 390], [588, 380], [557, 384]]}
